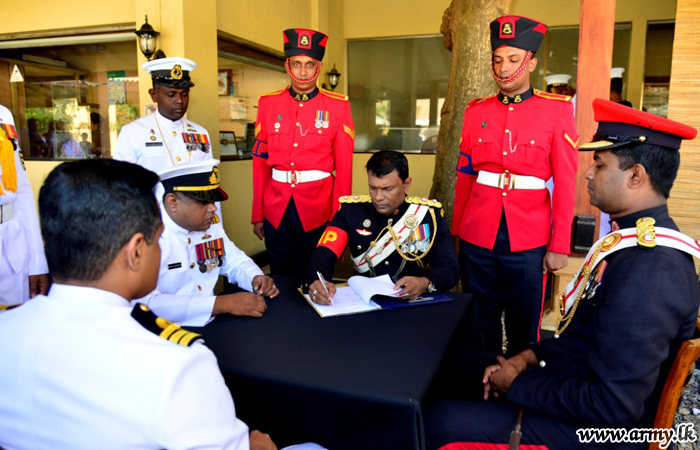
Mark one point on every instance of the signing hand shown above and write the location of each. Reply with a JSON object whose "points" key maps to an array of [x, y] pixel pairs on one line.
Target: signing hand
{"points": [[240, 304], [318, 293], [265, 286], [259, 230], [261, 441], [554, 261], [411, 287], [38, 284]]}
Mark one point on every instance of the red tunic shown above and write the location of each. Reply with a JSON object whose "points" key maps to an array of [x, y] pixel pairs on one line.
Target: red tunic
{"points": [[288, 139], [536, 137]]}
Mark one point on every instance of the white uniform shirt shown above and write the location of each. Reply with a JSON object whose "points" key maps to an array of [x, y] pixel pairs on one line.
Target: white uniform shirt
{"points": [[157, 143], [81, 373], [21, 247], [184, 294]]}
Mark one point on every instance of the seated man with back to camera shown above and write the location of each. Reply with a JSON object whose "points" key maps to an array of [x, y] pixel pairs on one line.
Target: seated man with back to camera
{"points": [[88, 371], [388, 232], [621, 319], [194, 253]]}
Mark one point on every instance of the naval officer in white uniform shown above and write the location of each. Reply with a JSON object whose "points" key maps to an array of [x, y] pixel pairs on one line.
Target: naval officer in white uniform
{"points": [[194, 253], [23, 269]]}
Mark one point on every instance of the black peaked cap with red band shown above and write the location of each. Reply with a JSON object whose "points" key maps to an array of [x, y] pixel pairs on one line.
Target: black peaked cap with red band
{"points": [[620, 125], [516, 31], [301, 41]]}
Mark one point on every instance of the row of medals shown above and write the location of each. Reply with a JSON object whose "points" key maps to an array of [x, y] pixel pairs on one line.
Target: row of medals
{"points": [[410, 245], [210, 264]]}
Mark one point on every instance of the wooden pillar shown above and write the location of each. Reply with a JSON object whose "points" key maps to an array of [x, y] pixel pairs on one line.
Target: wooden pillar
{"points": [[594, 63]]}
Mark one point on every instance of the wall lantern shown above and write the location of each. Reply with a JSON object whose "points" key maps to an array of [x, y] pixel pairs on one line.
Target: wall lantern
{"points": [[147, 39], [333, 78]]}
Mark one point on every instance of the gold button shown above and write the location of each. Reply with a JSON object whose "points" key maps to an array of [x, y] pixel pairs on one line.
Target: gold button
{"points": [[507, 130], [189, 241], [291, 164], [296, 145], [301, 104], [359, 247], [479, 140], [510, 108], [277, 130], [297, 123], [532, 142], [192, 266], [319, 131], [505, 193], [386, 263], [177, 159], [144, 307], [293, 185], [174, 133], [199, 287], [505, 153], [505, 171]]}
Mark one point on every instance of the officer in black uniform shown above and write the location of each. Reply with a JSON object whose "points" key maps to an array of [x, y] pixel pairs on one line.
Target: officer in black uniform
{"points": [[388, 233], [624, 314]]}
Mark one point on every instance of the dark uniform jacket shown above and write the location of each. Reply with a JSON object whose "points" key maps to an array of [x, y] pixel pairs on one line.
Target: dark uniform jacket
{"points": [[608, 367], [357, 224]]}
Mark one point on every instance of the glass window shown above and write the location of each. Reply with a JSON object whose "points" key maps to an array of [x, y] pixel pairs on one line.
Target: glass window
{"points": [[657, 67], [396, 89], [558, 54], [244, 75], [70, 101]]}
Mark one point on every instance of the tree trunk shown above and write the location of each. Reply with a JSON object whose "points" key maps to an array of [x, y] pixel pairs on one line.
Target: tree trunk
{"points": [[465, 26]]}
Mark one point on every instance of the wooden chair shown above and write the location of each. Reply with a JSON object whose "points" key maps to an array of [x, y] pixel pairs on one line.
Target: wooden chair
{"points": [[683, 366]]}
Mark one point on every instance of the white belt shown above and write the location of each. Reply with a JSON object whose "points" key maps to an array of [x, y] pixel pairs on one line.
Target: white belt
{"points": [[7, 212], [501, 180], [298, 176]]}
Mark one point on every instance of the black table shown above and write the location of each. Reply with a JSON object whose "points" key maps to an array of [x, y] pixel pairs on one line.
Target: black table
{"points": [[345, 382]]}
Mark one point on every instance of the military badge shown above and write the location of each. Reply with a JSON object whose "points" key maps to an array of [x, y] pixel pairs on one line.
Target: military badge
{"points": [[366, 223], [363, 232], [210, 254], [277, 125], [196, 141], [176, 73], [153, 138]]}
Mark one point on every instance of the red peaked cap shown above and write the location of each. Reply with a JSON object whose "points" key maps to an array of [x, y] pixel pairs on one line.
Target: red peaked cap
{"points": [[301, 41], [620, 125], [517, 31]]}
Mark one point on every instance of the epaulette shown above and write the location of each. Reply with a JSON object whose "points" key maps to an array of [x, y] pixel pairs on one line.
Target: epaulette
{"points": [[275, 92], [334, 95], [355, 199], [550, 96], [479, 100], [164, 328], [6, 307], [424, 201]]}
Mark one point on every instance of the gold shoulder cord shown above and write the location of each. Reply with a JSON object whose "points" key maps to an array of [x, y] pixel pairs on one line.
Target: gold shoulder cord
{"points": [[163, 137], [408, 256], [559, 300]]}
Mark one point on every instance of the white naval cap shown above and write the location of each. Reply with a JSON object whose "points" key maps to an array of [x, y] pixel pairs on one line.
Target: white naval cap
{"points": [[559, 78], [173, 72], [196, 179], [616, 72]]}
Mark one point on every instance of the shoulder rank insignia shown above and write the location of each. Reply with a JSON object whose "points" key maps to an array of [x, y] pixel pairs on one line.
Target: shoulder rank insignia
{"points": [[355, 199], [278, 92], [424, 201], [549, 96], [163, 328], [479, 100], [7, 307], [333, 95], [646, 232]]}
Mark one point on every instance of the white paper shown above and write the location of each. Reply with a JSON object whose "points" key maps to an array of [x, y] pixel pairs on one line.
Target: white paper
{"points": [[345, 301], [366, 287]]}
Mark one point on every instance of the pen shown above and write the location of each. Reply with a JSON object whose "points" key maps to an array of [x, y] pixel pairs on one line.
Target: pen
{"points": [[323, 282]]}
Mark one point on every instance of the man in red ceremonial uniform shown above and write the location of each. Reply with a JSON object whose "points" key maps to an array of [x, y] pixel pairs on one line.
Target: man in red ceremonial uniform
{"points": [[511, 143], [302, 134]]}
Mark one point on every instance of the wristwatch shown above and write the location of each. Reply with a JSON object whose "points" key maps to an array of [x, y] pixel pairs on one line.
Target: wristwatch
{"points": [[431, 287]]}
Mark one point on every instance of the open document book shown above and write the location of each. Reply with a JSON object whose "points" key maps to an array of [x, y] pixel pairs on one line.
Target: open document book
{"points": [[365, 294]]}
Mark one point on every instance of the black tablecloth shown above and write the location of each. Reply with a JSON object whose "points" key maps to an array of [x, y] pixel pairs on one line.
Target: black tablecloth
{"points": [[345, 382]]}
